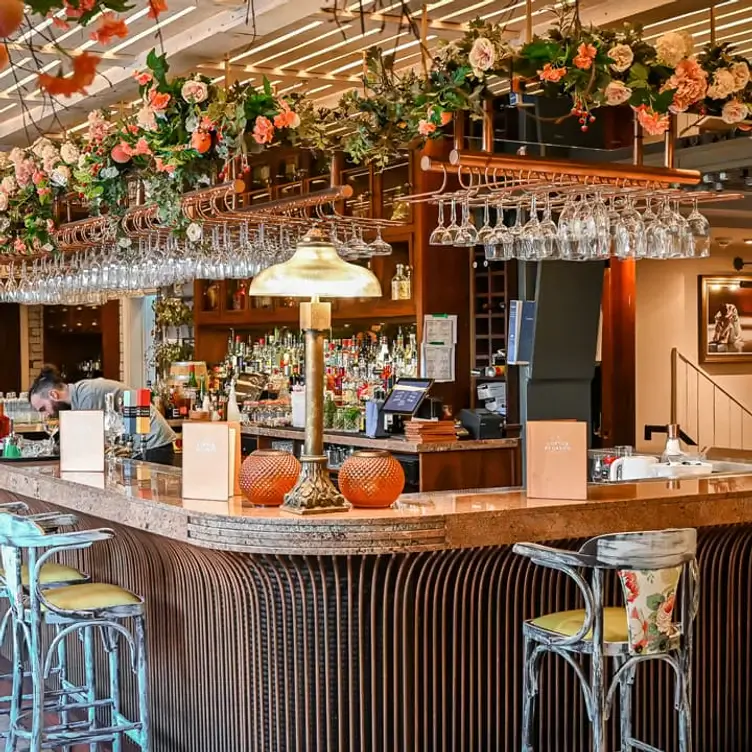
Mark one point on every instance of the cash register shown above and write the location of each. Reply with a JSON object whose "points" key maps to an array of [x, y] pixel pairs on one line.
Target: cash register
{"points": [[408, 397]]}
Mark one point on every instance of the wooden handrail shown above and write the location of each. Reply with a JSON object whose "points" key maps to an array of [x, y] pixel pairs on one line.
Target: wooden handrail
{"points": [[678, 358]]}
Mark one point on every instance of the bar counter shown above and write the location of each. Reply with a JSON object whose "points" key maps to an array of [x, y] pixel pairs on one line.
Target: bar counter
{"points": [[397, 629]]}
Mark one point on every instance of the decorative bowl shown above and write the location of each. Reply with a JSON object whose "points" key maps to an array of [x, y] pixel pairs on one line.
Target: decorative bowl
{"points": [[266, 475], [372, 479]]}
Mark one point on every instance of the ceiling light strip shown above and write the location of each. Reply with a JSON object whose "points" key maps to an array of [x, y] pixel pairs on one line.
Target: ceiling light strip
{"points": [[300, 46], [152, 29], [277, 40]]}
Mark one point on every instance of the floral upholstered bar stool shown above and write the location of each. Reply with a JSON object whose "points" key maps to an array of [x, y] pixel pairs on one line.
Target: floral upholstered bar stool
{"points": [[658, 575], [89, 609]]}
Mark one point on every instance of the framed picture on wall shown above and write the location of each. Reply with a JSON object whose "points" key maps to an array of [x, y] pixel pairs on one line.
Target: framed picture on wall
{"points": [[725, 318]]}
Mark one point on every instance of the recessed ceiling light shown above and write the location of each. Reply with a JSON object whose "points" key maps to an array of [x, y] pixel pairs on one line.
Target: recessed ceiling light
{"points": [[747, 241]]}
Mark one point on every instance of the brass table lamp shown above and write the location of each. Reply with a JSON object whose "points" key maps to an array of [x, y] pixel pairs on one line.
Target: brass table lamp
{"points": [[315, 271]]}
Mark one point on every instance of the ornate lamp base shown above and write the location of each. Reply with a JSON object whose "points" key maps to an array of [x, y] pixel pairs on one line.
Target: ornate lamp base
{"points": [[314, 492]]}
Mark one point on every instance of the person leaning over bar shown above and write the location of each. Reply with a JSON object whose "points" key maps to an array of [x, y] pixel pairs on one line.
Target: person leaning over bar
{"points": [[50, 394]]}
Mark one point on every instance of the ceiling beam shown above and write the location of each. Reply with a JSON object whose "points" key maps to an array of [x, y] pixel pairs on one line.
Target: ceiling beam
{"points": [[393, 19]]}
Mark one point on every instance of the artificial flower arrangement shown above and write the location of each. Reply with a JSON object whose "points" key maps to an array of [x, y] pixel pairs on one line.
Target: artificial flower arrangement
{"points": [[186, 129]]}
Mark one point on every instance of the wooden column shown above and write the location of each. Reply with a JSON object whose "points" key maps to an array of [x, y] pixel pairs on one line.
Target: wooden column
{"points": [[442, 278]]}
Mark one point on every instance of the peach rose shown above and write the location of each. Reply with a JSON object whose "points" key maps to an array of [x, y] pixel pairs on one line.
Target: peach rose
{"points": [[585, 55], [194, 92], [263, 130], [549, 73], [690, 82], [158, 100], [674, 46], [426, 128], [286, 117], [723, 85], [652, 122]]}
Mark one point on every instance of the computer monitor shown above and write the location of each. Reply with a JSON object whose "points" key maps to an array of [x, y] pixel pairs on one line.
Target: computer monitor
{"points": [[406, 396]]}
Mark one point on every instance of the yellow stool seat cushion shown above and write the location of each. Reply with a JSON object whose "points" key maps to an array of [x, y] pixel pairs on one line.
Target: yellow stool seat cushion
{"points": [[51, 572], [568, 623], [90, 596]]}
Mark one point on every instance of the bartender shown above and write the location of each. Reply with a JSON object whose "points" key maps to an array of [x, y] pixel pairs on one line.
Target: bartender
{"points": [[49, 394]]}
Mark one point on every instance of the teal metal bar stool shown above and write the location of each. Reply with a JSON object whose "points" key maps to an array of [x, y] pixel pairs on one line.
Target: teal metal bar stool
{"points": [[657, 570], [52, 575], [85, 609]]}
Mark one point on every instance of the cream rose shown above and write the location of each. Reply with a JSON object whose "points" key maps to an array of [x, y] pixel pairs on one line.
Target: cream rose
{"points": [[8, 185], [622, 56], [194, 232], [146, 118], [734, 112], [617, 93], [60, 175], [69, 153], [3, 201], [194, 92], [723, 84], [740, 71], [673, 47], [482, 56], [40, 146]]}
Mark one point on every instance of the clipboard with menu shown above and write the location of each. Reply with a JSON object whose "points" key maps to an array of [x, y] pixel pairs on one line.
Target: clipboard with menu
{"points": [[211, 460]]}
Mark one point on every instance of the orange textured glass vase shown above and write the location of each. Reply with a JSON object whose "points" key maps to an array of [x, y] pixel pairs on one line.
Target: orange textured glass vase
{"points": [[371, 479], [267, 475]]}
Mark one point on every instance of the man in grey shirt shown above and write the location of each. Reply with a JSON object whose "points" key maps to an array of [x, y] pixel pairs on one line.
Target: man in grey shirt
{"points": [[50, 394]]}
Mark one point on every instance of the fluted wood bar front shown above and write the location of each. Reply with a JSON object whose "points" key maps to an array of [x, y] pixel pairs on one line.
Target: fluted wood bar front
{"points": [[393, 631]]}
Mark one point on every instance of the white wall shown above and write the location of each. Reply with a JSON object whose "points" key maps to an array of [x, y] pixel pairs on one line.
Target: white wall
{"points": [[136, 324], [667, 317]]}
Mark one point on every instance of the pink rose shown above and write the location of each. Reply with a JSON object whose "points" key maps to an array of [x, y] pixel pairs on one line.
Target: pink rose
{"points": [[143, 78], [146, 118], [286, 118], [121, 153], [38, 177]]}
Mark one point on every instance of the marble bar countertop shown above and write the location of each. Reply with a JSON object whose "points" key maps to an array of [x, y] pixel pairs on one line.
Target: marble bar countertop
{"points": [[391, 444], [148, 497]]}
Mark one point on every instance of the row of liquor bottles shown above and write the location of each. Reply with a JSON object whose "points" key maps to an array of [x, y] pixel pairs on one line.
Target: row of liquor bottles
{"points": [[368, 356]]}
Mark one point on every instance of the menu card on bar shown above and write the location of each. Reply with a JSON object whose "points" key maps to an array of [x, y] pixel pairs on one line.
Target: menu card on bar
{"points": [[82, 441]]}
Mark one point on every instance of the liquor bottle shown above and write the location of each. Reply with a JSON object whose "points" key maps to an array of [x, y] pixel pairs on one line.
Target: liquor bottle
{"points": [[406, 283], [192, 383], [396, 283], [5, 425]]}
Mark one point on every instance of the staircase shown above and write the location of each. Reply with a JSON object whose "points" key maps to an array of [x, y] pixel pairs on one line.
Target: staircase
{"points": [[707, 412]]}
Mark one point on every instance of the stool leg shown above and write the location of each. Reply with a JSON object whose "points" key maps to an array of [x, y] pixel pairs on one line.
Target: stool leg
{"points": [[114, 661], [16, 690], [62, 657], [529, 691], [598, 715], [142, 669], [91, 690], [685, 717], [625, 707]]}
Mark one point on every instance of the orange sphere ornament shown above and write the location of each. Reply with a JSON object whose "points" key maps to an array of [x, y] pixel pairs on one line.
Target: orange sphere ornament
{"points": [[201, 141], [11, 16], [266, 475], [371, 479], [4, 58]]}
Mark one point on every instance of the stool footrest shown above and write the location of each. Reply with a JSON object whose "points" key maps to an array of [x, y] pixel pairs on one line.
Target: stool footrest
{"points": [[643, 747]]}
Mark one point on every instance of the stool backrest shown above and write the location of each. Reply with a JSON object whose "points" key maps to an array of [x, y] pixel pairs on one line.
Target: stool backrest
{"points": [[18, 531], [650, 565]]}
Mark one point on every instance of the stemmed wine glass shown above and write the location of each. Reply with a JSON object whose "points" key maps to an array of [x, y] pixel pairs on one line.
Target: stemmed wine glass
{"points": [[50, 425], [437, 236], [700, 229]]}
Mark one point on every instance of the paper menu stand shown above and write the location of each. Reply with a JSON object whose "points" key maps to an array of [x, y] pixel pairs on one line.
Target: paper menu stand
{"points": [[82, 441], [556, 466], [211, 460]]}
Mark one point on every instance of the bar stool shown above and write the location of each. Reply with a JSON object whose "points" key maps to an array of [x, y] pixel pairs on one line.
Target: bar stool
{"points": [[83, 609], [651, 567], [52, 575]]}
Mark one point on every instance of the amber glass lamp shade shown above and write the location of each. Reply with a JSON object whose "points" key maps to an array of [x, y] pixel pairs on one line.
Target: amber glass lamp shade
{"points": [[372, 479], [267, 475]]}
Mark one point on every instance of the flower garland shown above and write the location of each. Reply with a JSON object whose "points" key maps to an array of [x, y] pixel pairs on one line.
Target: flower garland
{"points": [[186, 129]]}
